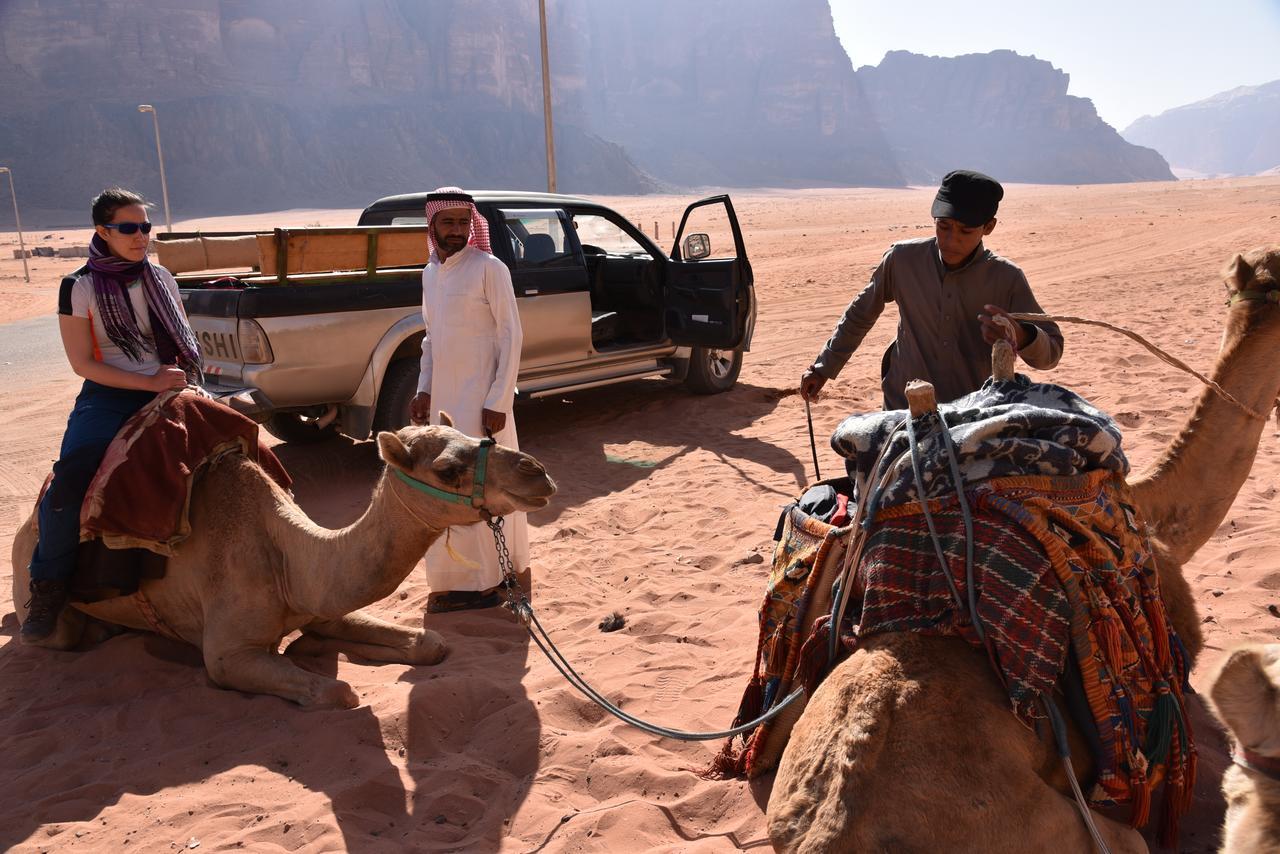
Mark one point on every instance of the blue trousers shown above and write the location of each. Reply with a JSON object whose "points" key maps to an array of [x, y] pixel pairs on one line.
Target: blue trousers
{"points": [[99, 413]]}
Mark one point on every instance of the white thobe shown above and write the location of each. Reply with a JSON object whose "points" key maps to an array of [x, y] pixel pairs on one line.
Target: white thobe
{"points": [[470, 358]]}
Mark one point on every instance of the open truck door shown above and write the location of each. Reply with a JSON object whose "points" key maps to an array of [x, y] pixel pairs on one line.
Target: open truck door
{"points": [[709, 300]]}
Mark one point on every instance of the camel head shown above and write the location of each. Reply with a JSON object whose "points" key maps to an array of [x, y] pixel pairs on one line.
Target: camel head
{"points": [[1245, 694], [441, 457], [1253, 281]]}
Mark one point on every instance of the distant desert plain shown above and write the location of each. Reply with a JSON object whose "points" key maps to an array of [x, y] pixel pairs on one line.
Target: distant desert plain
{"points": [[665, 515]]}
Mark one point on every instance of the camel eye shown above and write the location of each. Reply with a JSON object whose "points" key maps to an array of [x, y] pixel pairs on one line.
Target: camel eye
{"points": [[451, 475]]}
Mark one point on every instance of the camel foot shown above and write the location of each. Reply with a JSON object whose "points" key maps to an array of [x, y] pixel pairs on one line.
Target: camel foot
{"points": [[336, 695], [259, 670], [429, 648]]}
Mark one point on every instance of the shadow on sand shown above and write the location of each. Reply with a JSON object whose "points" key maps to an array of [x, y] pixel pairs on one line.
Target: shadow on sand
{"points": [[138, 716], [569, 435]]}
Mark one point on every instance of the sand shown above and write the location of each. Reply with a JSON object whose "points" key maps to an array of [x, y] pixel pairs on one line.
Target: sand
{"points": [[665, 514]]}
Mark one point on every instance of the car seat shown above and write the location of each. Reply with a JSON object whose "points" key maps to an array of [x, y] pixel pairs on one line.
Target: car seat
{"points": [[538, 248]]}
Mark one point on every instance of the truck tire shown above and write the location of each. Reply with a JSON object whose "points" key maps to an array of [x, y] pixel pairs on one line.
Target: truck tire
{"points": [[293, 428], [399, 385], [712, 371]]}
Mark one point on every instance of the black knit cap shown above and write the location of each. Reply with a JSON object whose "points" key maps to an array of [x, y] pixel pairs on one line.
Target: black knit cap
{"points": [[970, 197]]}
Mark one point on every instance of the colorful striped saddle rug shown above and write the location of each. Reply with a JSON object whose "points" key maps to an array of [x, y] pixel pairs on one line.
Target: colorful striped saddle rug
{"points": [[1066, 585]]}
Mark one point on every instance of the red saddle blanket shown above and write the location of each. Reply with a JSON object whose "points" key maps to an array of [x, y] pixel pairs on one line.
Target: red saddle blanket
{"points": [[141, 495]]}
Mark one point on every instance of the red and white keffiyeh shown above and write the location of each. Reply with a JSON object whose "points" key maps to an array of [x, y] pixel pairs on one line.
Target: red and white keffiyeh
{"points": [[449, 198]]}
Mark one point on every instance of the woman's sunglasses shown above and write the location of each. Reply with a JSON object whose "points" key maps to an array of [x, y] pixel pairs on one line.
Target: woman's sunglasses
{"points": [[129, 227]]}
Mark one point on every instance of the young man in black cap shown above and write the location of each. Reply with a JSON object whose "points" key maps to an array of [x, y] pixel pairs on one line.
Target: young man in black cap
{"points": [[949, 289]]}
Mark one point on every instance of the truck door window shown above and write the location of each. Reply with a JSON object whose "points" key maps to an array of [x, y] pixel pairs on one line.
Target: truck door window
{"points": [[538, 239], [601, 236]]}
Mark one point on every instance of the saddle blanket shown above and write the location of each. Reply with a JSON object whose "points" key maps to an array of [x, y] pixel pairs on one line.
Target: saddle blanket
{"points": [[1014, 427], [141, 495]]}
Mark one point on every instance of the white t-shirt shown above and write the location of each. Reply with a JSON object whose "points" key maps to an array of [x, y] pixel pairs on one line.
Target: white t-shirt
{"points": [[78, 299]]}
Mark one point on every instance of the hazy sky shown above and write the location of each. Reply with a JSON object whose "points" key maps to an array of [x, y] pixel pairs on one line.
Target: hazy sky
{"points": [[1131, 57]]}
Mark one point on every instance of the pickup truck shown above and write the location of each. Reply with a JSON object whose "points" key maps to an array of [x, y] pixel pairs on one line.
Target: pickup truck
{"points": [[323, 332]]}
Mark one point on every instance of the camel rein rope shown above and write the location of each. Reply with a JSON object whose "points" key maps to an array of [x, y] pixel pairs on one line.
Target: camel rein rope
{"points": [[1167, 358]]}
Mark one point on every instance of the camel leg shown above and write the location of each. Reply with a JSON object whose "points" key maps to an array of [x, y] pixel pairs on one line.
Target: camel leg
{"points": [[259, 669], [368, 637], [910, 746]]}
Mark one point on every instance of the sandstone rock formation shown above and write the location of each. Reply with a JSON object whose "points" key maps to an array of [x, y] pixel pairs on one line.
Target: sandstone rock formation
{"points": [[1001, 113], [267, 104], [1232, 133]]}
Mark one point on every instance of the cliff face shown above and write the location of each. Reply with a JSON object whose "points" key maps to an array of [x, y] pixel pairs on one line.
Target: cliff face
{"points": [[283, 103], [1233, 133], [997, 112], [729, 92]]}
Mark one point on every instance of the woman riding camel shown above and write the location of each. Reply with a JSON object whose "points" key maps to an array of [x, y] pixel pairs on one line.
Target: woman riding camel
{"points": [[124, 330]]}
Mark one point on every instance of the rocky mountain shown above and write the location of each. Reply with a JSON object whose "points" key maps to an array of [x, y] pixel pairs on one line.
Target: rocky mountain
{"points": [[726, 92], [284, 103], [1232, 133], [1001, 113]]}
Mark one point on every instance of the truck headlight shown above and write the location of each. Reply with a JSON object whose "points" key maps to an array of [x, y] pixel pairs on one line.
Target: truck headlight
{"points": [[254, 346]]}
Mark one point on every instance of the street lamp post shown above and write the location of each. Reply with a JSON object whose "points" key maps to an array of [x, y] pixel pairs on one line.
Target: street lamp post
{"points": [[22, 247], [164, 186], [546, 99]]}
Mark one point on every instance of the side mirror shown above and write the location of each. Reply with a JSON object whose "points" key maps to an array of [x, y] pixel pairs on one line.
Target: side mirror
{"points": [[697, 247]]}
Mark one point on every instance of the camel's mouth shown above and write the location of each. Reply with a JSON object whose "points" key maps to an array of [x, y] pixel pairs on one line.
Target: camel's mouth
{"points": [[529, 502]]}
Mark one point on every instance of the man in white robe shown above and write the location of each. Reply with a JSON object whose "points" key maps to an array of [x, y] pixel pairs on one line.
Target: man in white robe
{"points": [[470, 358]]}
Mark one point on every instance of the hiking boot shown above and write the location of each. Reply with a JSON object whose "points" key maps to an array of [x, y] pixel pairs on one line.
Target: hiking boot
{"points": [[48, 598], [463, 600]]}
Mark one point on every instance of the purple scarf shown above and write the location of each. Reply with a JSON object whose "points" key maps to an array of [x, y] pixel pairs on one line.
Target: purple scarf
{"points": [[172, 340]]}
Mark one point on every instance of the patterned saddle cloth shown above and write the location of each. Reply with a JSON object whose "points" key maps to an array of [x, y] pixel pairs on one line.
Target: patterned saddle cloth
{"points": [[1065, 584]]}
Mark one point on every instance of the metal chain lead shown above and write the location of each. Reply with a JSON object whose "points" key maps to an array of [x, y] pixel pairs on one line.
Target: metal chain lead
{"points": [[516, 602]]}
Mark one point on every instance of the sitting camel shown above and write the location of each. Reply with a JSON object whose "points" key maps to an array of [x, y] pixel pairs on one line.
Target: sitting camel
{"points": [[909, 744], [256, 568], [1246, 697]]}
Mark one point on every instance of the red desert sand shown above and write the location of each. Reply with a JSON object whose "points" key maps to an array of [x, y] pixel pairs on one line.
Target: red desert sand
{"points": [[665, 514]]}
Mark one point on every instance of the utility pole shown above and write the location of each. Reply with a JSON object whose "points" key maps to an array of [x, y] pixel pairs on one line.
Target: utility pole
{"points": [[164, 186], [546, 99], [22, 247]]}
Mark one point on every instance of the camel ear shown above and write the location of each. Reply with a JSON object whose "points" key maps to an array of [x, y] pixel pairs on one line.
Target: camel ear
{"points": [[1246, 696], [445, 420], [1238, 272], [394, 452]]}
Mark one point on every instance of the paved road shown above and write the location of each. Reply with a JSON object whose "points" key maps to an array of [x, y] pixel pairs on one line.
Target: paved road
{"points": [[30, 353]]}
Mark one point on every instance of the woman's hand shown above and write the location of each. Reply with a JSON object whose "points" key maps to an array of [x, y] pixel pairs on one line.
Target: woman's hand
{"points": [[168, 377]]}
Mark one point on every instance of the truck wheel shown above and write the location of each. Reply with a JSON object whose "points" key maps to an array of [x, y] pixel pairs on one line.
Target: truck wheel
{"points": [[292, 427], [398, 388], [712, 371]]}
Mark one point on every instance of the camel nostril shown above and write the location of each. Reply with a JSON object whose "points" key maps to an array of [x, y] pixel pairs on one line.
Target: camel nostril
{"points": [[529, 466]]}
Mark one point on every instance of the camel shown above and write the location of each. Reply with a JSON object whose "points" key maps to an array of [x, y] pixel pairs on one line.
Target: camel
{"points": [[909, 744], [1245, 694], [256, 568]]}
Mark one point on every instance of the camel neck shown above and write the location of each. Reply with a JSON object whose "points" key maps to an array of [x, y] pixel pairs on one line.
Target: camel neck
{"points": [[367, 560], [1191, 488]]}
